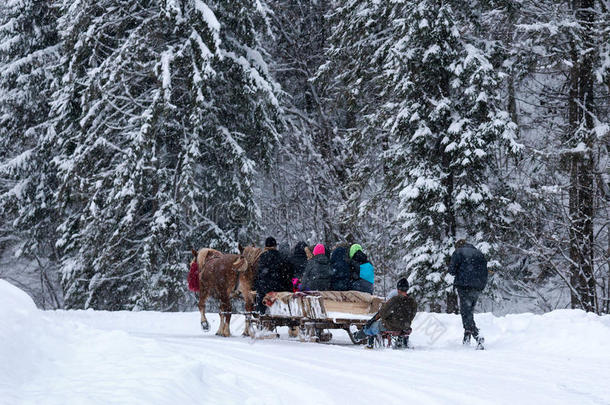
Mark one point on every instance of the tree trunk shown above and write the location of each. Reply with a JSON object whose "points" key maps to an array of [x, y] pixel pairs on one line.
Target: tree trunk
{"points": [[448, 200], [581, 210]]}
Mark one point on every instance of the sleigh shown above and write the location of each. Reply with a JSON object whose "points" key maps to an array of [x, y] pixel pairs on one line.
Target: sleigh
{"points": [[310, 315]]}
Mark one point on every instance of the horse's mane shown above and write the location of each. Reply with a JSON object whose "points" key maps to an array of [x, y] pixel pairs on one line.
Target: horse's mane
{"points": [[252, 254], [240, 264]]}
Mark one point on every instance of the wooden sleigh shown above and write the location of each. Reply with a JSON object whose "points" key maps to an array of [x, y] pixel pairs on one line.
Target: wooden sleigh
{"points": [[311, 315]]}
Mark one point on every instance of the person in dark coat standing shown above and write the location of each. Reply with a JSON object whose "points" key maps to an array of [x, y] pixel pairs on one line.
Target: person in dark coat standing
{"points": [[298, 261], [469, 267], [273, 273], [342, 271], [318, 273], [288, 273]]}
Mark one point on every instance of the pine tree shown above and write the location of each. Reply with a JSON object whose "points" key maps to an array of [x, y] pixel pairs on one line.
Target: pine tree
{"points": [[28, 48], [28, 51], [565, 45], [358, 46], [164, 112], [438, 121]]}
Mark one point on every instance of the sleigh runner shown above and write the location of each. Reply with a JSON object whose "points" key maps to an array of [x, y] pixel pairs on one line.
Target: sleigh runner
{"points": [[313, 313]]}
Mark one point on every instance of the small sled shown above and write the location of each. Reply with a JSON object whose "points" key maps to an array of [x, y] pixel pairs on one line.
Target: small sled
{"points": [[396, 340]]}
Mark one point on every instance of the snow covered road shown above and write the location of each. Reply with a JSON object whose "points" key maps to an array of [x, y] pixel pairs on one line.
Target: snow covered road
{"points": [[96, 357]]}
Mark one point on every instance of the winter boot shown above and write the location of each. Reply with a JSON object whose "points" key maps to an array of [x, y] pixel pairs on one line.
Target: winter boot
{"points": [[467, 336], [479, 339], [360, 335], [370, 344]]}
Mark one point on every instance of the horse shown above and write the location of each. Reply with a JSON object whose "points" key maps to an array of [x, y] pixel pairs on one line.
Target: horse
{"points": [[222, 276]]}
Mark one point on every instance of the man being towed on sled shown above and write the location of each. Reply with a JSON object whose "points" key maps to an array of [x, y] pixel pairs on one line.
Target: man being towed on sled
{"points": [[395, 315]]}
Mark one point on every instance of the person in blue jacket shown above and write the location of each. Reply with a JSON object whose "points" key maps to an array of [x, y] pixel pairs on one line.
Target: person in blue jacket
{"points": [[364, 273], [469, 267]]}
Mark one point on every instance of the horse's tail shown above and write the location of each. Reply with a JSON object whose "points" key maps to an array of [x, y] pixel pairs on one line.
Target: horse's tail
{"points": [[193, 277], [204, 254], [199, 260]]}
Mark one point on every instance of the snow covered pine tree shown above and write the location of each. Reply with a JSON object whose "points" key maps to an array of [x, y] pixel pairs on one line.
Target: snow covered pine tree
{"points": [[151, 117], [440, 120], [29, 50]]}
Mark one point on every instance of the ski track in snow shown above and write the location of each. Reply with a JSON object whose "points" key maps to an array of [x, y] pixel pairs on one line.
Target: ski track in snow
{"points": [[99, 357]]}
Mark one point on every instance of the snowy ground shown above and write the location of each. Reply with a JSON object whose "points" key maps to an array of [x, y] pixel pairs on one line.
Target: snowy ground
{"points": [[93, 357]]}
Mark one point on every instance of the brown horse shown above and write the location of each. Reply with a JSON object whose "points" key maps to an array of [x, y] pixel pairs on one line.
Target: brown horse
{"points": [[222, 276]]}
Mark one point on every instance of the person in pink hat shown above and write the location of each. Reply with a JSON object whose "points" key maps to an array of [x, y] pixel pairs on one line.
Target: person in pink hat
{"points": [[318, 272]]}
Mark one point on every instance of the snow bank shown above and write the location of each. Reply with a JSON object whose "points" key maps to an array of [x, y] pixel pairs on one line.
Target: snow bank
{"points": [[53, 359], [99, 357], [20, 330], [562, 331]]}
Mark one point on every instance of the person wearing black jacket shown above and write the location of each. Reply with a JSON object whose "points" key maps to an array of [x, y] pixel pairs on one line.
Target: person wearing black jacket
{"points": [[284, 249], [274, 273], [342, 271], [298, 259], [318, 273], [469, 267]]}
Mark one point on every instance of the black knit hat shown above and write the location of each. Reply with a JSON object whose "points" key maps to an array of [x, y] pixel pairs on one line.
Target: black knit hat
{"points": [[402, 285], [270, 242]]}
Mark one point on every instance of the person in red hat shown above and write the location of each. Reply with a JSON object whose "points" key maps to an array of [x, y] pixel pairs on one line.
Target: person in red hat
{"points": [[318, 272]]}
